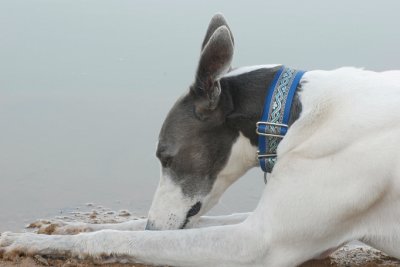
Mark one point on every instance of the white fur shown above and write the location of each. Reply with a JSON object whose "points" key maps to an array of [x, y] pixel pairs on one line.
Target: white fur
{"points": [[241, 159], [170, 205], [242, 70], [337, 179]]}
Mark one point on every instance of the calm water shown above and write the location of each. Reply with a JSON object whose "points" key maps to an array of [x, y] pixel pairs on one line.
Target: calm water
{"points": [[85, 86]]}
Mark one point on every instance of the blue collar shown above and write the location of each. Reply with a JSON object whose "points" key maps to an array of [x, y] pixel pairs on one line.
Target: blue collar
{"points": [[274, 122]]}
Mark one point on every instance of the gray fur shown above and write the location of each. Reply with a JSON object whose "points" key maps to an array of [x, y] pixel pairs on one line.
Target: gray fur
{"points": [[215, 60], [195, 143], [217, 21]]}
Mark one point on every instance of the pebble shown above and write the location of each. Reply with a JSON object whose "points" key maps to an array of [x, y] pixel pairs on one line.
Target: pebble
{"points": [[124, 213], [41, 260]]}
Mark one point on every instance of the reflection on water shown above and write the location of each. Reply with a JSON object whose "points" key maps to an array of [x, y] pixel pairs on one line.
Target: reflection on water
{"points": [[85, 85]]}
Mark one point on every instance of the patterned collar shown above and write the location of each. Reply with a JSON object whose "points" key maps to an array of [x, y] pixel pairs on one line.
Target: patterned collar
{"points": [[275, 117]]}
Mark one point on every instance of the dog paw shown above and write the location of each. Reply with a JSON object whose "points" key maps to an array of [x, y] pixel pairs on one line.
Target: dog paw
{"points": [[13, 245], [10, 246], [59, 227]]}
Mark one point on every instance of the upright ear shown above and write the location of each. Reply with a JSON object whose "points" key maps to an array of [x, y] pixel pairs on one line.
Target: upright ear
{"points": [[215, 61], [217, 21]]}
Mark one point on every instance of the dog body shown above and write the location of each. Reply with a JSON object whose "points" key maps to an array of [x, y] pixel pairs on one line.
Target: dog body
{"points": [[337, 177]]}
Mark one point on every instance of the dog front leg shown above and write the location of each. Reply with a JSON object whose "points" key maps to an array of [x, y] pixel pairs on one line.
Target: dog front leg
{"points": [[213, 246], [69, 228], [207, 221]]}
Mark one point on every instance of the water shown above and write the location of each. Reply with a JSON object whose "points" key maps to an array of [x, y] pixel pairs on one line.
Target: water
{"points": [[85, 86]]}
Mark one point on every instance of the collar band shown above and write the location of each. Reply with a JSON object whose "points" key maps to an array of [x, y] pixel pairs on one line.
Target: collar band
{"points": [[274, 122]]}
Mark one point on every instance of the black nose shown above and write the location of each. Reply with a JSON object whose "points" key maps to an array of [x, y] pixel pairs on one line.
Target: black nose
{"points": [[193, 210]]}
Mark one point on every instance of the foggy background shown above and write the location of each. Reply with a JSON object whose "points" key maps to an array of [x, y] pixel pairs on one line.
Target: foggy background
{"points": [[86, 84]]}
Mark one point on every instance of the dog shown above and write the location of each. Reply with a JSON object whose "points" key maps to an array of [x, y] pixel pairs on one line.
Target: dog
{"points": [[336, 177]]}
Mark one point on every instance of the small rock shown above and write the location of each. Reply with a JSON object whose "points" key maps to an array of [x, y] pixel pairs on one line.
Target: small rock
{"points": [[124, 213], [70, 263], [41, 260]]}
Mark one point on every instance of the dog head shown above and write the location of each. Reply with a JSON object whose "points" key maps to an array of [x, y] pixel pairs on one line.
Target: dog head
{"points": [[200, 154]]}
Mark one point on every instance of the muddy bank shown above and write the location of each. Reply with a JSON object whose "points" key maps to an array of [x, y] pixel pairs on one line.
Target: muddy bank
{"points": [[348, 256]]}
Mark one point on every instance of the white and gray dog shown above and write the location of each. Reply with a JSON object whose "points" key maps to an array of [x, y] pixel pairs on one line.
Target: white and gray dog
{"points": [[337, 177]]}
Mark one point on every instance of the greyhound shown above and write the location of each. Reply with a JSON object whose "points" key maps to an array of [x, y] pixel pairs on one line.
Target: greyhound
{"points": [[336, 177]]}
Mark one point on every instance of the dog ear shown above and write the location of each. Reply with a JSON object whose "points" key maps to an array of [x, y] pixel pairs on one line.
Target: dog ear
{"points": [[217, 21], [215, 61]]}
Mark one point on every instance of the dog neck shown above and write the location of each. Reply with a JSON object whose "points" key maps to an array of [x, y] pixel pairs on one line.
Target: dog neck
{"points": [[246, 91]]}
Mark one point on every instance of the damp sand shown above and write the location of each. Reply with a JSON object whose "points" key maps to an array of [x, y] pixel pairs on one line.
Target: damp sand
{"points": [[353, 255]]}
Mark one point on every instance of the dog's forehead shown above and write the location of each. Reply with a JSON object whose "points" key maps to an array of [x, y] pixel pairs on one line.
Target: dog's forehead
{"points": [[180, 123]]}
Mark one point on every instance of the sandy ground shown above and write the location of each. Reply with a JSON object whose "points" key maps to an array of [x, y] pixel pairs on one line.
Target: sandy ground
{"points": [[345, 257], [353, 255]]}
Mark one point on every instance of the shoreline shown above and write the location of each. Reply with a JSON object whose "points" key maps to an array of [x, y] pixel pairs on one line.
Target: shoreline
{"points": [[351, 255]]}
